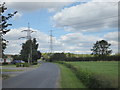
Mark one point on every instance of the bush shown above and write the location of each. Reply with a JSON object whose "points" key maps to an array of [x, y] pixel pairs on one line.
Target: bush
{"points": [[5, 63], [18, 64], [34, 63], [26, 64], [5, 76]]}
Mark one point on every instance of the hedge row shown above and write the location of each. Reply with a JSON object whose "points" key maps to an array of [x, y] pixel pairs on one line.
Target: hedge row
{"points": [[107, 58], [22, 64]]}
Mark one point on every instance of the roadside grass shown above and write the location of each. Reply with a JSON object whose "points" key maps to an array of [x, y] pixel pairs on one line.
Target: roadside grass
{"points": [[11, 70], [68, 78], [9, 65], [35, 66], [5, 76], [101, 74]]}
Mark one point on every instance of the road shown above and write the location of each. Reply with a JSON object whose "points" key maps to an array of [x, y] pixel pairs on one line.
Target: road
{"points": [[46, 76]]}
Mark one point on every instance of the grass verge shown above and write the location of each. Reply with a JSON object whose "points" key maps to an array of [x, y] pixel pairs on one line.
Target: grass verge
{"points": [[11, 70], [69, 79], [5, 76], [9, 65]]}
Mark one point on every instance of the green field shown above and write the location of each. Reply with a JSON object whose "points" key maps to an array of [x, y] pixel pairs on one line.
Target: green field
{"points": [[104, 71], [109, 69], [68, 79]]}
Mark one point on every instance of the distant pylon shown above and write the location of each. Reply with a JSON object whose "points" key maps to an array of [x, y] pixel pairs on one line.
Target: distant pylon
{"points": [[28, 37], [51, 41]]}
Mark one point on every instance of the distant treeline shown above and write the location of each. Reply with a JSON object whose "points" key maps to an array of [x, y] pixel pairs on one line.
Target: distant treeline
{"points": [[79, 57]]}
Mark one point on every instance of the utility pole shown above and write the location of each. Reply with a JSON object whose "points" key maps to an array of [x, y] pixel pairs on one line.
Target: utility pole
{"points": [[28, 37], [51, 42]]}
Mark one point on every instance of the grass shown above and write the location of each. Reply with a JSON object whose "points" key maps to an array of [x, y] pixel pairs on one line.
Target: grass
{"points": [[103, 72], [68, 79], [11, 70], [5, 76], [35, 66], [9, 65], [104, 68]]}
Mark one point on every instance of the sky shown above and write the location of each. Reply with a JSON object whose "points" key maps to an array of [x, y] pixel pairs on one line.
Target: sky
{"points": [[76, 24]]}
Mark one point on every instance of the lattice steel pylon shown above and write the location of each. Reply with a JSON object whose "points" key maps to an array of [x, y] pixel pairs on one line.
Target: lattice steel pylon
{"points": [[28, 37]]}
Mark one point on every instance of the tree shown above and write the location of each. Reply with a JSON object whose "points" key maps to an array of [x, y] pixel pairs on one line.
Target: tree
{"points": [[29, 51], [58, 57], [3, 26], [101, 48], [16, 57], [39, 55]]}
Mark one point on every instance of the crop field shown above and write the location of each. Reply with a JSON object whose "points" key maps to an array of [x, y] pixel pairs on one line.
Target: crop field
{"points": [[101, 74]]}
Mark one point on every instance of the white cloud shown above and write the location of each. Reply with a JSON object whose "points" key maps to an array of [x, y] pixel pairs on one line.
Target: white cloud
{"points": [[14, 45], [112, 36], [71, 42], [33, 6], [90, 16]]}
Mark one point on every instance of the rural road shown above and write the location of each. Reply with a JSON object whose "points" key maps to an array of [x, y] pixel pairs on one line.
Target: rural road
{"points": [[46, 76]]}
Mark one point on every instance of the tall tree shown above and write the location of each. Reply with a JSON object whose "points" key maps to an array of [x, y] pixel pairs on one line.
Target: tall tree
{"points": [[101, 48], [4, 25], [29, 51]]}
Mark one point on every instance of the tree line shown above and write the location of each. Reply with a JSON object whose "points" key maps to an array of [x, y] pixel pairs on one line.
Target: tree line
{"points": [[100, 52]]}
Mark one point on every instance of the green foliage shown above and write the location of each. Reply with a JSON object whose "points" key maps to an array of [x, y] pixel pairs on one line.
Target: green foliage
{"points": [[69, 79], [5, 76], [4, 63], [101, 48], [78, 57], [16, 57], [34, 63], [26, 65], [22, 64], [58, 57], [100, 78], [29, 51], [3, 25], [18, 65]]}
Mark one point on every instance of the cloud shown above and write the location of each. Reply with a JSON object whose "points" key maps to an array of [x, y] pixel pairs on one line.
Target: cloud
{"points": [[71, 42], [33, 6], [15, 44], [78, 42], [112, 36], [87, 17]]}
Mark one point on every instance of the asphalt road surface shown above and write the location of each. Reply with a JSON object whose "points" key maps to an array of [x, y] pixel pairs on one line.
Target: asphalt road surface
{"points": [[46, 76]]}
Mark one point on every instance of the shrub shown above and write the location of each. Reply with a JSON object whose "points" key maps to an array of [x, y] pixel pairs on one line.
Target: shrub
{"points": [[5, 63], [18, 64], [34, 63], [5, 76], [26, 64]]}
